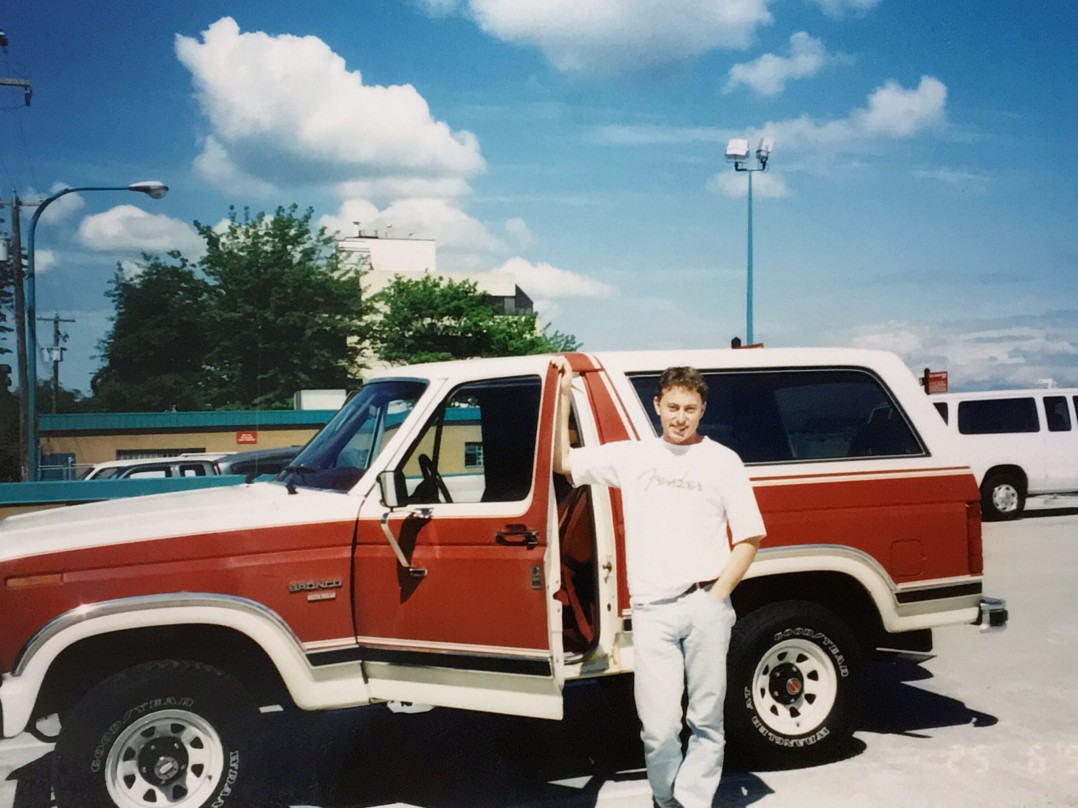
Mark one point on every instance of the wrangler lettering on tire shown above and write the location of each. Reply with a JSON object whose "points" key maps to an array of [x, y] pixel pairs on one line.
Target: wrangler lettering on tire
{"points": [[793, 669]]}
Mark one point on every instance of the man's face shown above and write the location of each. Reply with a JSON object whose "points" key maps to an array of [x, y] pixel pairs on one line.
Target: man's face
{"points": [[680, 411]]}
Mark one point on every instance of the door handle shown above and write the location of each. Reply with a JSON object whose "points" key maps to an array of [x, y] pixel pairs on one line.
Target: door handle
{"points": [[518, 536]]}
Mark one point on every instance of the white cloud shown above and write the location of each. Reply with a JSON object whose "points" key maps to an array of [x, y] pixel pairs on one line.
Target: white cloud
{"points": [[609, 36], [896, 112], [838, 8], [438, 8], [544, 282], [984, 355], [60, 209], [769, 73], [126, 228], [967, 180], [286, 111], [891, 113], [517, 230], [44, 260], [735, 185]]}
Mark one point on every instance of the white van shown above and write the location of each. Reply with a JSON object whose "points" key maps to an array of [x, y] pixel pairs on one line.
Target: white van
{"points": [[1019, 443]]}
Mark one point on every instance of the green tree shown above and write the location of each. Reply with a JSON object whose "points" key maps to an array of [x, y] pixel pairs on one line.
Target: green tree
{"points": [[433, 318], [9, 431], [284, 315], [157, 347]]}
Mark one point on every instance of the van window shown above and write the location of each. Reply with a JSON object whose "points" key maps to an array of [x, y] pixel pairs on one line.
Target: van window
{"points": [[479, 446], [799, 415], [1056, 415], [996, 416]]}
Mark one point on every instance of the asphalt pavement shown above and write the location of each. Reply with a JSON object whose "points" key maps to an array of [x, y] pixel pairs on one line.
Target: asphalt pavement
{"points": [[991, 719]]}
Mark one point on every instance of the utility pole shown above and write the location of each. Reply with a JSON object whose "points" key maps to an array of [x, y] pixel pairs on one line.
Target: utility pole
{"points": [[56, 355], [20, 335], [23, 325]]}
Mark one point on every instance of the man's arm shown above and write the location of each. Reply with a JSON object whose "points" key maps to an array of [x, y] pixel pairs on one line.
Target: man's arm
{"points": [[740, 558], [561, 416]]}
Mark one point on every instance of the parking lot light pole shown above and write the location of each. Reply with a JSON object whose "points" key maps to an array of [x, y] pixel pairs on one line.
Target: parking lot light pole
{"points": [[737, 152], [154, 190]]}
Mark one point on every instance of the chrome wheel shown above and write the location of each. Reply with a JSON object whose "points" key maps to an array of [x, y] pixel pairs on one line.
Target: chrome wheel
{"points": [[1005, 498], [170, 758], [794, 687]]}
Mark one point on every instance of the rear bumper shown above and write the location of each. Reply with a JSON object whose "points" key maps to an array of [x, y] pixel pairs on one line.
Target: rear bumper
{"points": [[993, 615]]}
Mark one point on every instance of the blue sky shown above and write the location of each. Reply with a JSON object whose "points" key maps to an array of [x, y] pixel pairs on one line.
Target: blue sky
{"points": [[921, 195]]}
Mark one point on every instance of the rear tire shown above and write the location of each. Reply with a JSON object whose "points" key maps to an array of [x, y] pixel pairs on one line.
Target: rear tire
{"points": [[167, 733], [793, 673], [1003, 497]]}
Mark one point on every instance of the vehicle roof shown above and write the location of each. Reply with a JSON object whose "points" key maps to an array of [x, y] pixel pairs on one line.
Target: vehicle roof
{"points": [[648, 360], [1023, 393], [149, 461]]}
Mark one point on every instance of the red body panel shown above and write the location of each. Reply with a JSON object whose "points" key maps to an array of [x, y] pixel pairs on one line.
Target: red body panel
{"points": [[914, 525], [258, 565]]}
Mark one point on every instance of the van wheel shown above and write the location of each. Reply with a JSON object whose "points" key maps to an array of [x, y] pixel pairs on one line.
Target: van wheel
{"points": [[162, 733], [1003, 497], [793, 669]]}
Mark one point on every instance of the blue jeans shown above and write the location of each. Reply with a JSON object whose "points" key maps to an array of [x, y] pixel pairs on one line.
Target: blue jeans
{"points": [[681, 642]]}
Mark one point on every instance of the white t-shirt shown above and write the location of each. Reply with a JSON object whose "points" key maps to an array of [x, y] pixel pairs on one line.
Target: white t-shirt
{"points": [[678, 501]]}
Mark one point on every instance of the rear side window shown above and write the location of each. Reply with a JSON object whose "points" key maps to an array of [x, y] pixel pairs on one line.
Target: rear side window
{"points": [[1056, 414], [997, 416], [799, 415]]}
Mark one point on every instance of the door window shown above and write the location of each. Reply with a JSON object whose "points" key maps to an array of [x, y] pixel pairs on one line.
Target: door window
{"points": [[479, 446]]}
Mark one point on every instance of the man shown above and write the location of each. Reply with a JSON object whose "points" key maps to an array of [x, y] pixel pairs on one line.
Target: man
{"points": [[681, 493]]}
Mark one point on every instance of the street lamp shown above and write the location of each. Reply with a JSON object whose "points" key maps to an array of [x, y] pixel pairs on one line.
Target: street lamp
{"points": [[154, 190], [737, 152]]}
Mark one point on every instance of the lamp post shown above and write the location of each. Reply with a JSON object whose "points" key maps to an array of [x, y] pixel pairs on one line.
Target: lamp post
{"points": [[153, 189], [737, 152]]}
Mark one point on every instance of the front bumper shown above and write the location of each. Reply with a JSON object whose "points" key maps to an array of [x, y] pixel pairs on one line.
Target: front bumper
{"points": [[993, 614]]}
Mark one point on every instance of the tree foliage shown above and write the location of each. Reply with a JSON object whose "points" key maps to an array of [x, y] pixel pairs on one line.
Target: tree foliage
{"points": [[156, 349], [433, 318], [285, 316], [265, 313], [269, 310]]}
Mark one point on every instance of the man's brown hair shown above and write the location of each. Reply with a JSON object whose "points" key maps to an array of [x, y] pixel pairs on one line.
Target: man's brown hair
{"points": [[687, 377]]}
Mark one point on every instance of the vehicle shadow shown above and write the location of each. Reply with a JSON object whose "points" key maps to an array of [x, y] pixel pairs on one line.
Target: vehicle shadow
{"points": [[1035, 513], [368, 757]]}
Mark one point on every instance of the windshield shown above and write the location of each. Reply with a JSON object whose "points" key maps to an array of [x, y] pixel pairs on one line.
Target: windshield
{"points": [[339, 455]]}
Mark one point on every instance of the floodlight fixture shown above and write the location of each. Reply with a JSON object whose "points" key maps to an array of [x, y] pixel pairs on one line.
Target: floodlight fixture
{"points": [[737, 150]]}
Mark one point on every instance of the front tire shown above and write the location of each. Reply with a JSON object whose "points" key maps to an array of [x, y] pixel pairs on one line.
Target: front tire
{"points": [[793, 671], [167, 733]]}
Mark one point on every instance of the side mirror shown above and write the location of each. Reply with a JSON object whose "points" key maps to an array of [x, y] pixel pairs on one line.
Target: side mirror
{"points": [[393, 488]]}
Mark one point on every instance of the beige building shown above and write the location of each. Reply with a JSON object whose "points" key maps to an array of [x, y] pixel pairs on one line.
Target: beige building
{"points": [[382, 256]]}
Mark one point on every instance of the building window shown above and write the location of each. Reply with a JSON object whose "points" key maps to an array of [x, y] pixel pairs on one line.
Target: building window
{"points": [[473, 455]]}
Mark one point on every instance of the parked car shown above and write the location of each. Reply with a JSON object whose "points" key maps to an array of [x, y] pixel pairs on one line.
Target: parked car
{"points": [[258, 461], [151, 468]]}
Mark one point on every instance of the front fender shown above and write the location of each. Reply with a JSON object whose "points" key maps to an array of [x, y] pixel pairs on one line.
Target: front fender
{"points": [[310, 688]]}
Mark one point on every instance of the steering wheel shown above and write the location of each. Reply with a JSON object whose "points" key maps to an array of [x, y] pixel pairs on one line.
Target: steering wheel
{"points": [[430, 474]]}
